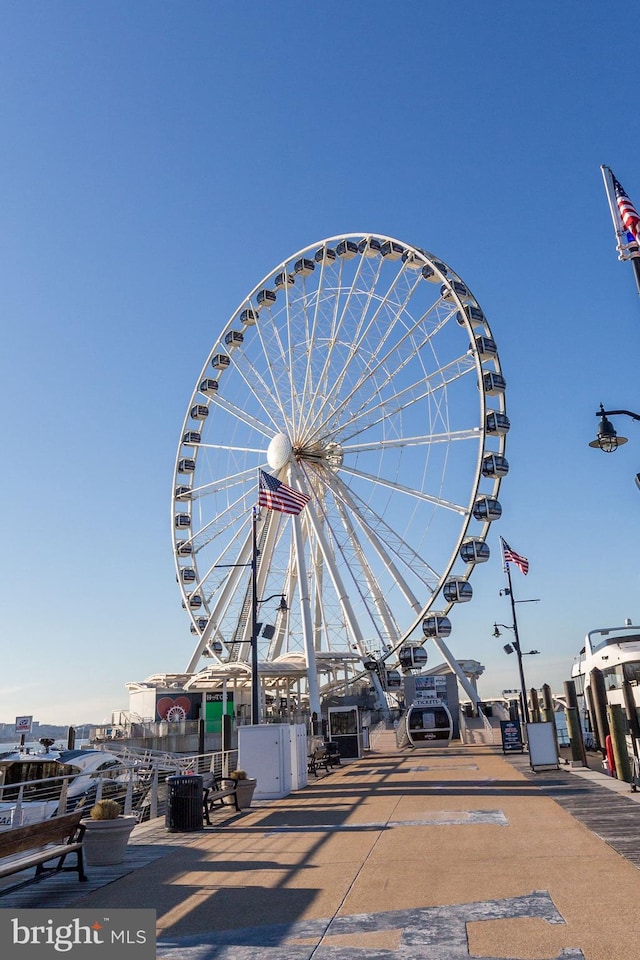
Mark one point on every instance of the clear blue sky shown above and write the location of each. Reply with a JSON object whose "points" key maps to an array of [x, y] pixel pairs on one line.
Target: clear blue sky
{"points": [[158, 159]]}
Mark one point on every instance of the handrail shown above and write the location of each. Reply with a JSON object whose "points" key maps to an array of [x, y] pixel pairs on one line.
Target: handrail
{"points": [[137, 784]]}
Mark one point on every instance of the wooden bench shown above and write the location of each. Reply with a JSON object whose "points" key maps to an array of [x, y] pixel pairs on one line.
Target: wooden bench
{"points": [[216, 790], [318, 758], [36, 844], [333, 754]]}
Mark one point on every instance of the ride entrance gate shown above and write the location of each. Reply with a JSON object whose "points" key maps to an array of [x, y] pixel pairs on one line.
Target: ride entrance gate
{"points": [[344, 728]]}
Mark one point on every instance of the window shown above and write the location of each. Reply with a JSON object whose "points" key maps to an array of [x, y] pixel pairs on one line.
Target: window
{"points": [[632, 672]]}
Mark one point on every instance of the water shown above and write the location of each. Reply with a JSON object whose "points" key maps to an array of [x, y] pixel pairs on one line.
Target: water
{"points": [[36, 747]]}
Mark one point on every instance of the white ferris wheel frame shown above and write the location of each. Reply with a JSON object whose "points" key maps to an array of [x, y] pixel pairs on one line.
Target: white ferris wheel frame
{"points": [[348, 509]]}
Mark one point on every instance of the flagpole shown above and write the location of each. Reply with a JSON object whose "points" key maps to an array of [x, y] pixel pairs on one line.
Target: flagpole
{"points": [[255, 682], [618, 227], [523, 686]]}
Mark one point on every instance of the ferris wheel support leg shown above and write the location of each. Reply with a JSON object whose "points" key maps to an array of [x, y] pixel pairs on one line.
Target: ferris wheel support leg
{"points": [[455, 666], [307, 627]]}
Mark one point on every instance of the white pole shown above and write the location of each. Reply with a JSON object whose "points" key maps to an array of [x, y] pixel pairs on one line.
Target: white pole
{"points": [[305, 607], [613, 206], [623, 248]]}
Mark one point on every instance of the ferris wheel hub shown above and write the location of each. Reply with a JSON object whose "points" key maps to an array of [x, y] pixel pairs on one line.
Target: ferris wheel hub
{"points": [[279, 451]]}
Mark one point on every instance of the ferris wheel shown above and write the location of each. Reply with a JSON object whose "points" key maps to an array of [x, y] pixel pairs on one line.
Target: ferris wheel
{"points": [[362, 372]]}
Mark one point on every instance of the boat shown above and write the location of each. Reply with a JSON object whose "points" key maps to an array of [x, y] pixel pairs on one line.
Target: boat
{"points": [[35, 784], [616, 652]]}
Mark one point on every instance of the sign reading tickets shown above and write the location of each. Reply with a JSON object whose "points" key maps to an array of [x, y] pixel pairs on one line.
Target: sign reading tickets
{"points": [[511, 736], [23, 724]]}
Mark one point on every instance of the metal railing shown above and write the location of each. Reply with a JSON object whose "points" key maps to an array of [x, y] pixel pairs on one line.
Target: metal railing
{"points": [[138, 784]]}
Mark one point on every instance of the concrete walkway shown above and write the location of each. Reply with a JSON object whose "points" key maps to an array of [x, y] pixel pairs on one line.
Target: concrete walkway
{"points": [[428, 855]]}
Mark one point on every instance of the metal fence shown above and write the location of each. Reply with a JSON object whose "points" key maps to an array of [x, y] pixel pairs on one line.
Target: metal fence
{"points": [[137, 782]]}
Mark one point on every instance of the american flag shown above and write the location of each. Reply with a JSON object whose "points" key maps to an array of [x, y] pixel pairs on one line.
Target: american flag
{"points": [[275, 495], [628, 213], [510, 556]]}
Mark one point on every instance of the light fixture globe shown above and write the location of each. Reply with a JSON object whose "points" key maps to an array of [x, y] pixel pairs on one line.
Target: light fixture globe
{"points": [[607, 438]]}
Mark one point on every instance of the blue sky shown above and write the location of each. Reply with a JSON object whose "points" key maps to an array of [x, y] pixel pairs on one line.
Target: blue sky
{"points": [[160, 158]]}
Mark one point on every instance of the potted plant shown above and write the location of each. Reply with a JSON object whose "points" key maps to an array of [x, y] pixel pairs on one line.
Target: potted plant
{"points": [[244, 788], [106, 833]]}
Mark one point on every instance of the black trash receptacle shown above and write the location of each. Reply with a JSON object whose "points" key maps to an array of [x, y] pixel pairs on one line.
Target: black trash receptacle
{"points": [[184, 803]]}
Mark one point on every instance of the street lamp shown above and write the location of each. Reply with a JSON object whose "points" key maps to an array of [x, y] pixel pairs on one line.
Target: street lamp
{"points": [[516, 640], [607, 438], [509, 648], [255, 680]]}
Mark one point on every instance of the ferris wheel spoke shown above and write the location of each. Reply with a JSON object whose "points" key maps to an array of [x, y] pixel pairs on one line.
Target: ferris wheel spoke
{"points": [[446, 373], [389, 546], [427, 385], [380, 359], [327, 296], [277, 349], [319, 394], [358, 288], [399, 442], [207, 531], [242, 416], [368, 371], [409, 491], [225, 485], [414, 393], [371, 587], [229, 565], [332, 567]]}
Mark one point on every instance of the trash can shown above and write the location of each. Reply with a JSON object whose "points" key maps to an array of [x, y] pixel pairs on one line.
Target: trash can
{"points": [[184, 803]]}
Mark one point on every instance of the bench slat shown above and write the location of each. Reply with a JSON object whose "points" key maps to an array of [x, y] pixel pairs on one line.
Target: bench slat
{"points": [[55, 830], [41, 843], [220, 787], [34, 859]]}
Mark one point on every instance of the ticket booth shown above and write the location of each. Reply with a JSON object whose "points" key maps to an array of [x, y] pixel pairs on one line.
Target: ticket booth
{"points": [[345, 730]]}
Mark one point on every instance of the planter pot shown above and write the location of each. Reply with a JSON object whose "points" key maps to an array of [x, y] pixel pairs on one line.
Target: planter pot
{"points": [[244, 792], [105, 841]]}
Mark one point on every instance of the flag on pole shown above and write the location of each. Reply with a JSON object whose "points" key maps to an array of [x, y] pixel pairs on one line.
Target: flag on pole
{"points": [[510, 556], [275, 495], [628, 213]]}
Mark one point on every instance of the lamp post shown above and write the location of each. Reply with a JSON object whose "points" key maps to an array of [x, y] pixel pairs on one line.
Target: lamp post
{"points": [[253, 564], [607, 438], [516, 641], [509, 648], [255, 680]]}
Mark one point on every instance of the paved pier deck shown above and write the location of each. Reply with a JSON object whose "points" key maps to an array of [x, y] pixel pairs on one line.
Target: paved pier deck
{"points": [[424, 855]]}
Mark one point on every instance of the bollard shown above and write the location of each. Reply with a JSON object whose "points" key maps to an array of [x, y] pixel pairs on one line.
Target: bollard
{"points": [[226, 743], [201, 728], [573, 725], [548, 714], [578, 752], [599, 695], [617, 725], [634, 729], [535, 705], [588, 695]]}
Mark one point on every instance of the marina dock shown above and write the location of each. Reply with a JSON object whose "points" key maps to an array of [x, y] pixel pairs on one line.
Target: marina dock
{"points": [[429, 855]]}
